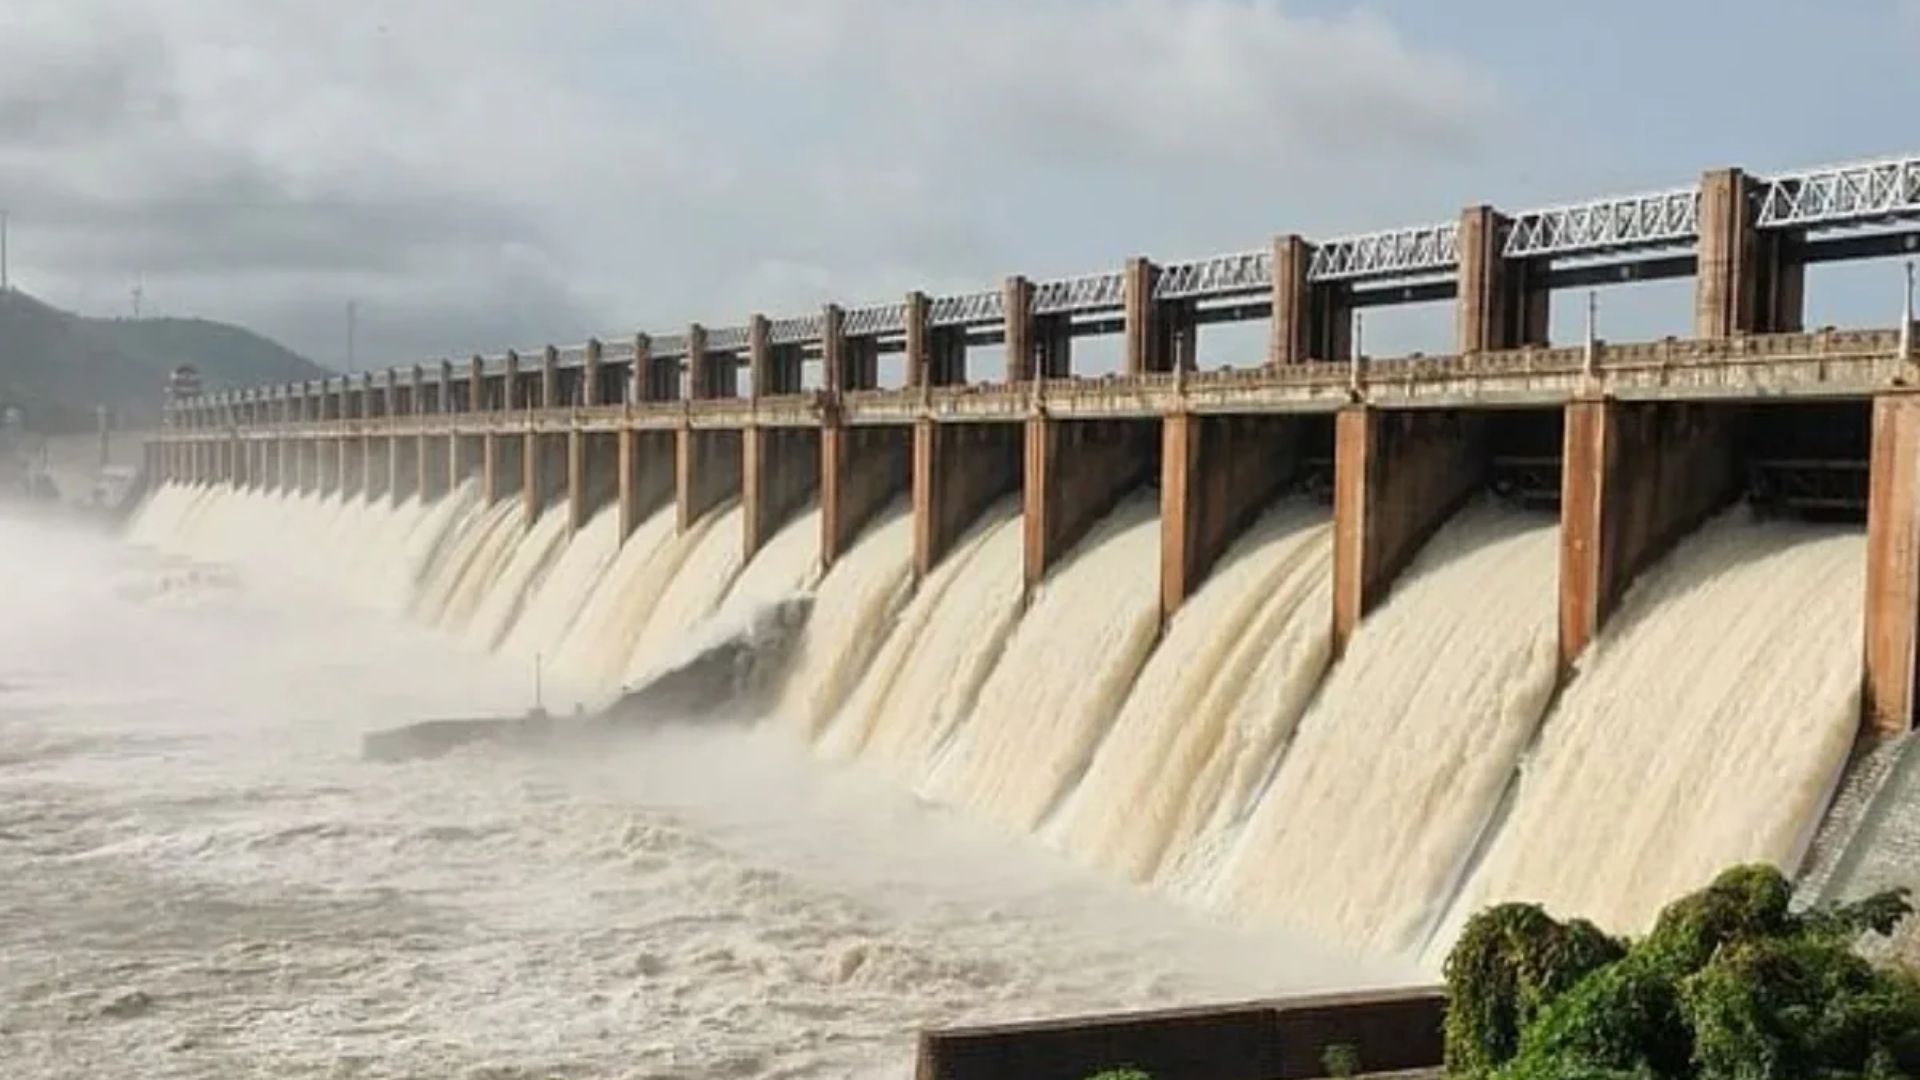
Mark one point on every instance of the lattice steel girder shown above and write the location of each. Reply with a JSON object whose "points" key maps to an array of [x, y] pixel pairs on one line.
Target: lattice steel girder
{"points": [[967, 309], [1422, 249], [1102, 291], [727, 339], [1215, 277], [798, 330], [875, 320], [1862, 193], [1655, 219], [668, 346]]}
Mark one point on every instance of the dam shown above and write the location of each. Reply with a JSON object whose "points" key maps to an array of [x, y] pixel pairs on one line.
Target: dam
{"points": [[1339, 643]]}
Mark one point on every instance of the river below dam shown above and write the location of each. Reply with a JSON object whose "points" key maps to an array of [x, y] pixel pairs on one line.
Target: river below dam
{"points": [[199, 878]]}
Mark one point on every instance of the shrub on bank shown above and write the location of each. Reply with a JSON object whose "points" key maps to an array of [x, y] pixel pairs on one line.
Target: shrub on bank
{"points": [[1729, 985]]}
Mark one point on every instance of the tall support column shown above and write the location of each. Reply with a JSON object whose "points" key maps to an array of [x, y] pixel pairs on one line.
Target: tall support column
{"points": [[492, 482], [861, 471], [1143, 339], [1076, 471], [958, 470], [781, 473], [1635, 478], [919, 339], [1216, 474], [550, 378], [1310, 321], [648, 470], [1893, 567], [640, 376], [699, 375], [1016, 305], [1397, 476], [590, 375], [1503, 303], [577, 480], [708, 470], [833, 348], [545, 468], [1749, 281]]}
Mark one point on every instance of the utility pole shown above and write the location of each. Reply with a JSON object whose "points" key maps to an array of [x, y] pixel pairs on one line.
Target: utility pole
{"points": [[353, 315], [139, 292], [5, 281]]}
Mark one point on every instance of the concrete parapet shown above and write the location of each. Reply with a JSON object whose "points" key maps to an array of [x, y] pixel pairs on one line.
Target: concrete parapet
{"points": [[1893, 565], [1076, 471], [1392, 1031], [1216, 474], [861, 471], [958, 470], [1397, 475], [1635, 478], [782, 471], [707, 470]]}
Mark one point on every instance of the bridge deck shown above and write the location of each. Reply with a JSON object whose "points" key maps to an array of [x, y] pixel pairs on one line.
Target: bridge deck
{"points": [[1822, 364]]}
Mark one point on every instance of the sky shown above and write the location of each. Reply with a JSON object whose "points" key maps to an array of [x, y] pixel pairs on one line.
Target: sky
{"points": [[483, 175]]}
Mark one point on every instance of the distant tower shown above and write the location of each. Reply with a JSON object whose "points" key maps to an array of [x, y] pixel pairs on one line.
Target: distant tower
{"points": [[182, 384]]}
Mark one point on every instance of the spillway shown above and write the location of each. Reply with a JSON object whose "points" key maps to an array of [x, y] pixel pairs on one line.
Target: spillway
{"points": [[1226, 760], [1706, 726], [1399, 764], [855, 601], [1061, 677], [1158, 767], [928, 673]]}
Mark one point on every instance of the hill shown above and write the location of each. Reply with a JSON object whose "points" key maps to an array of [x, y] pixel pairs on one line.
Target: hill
{"points": [[57, 367]]}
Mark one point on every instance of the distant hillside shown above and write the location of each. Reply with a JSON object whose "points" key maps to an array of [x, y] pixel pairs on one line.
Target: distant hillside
{"points": [[58, 367]]}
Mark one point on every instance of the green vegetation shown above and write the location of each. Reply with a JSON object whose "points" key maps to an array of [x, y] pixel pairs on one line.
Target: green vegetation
{"points": [[1120, 1074], [1341, 1060], [56, 367], [1729, 985]]}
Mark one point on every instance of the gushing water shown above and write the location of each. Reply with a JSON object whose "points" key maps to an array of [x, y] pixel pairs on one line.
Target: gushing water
{"points": [[1145, 788], [928, 672], [693, 592], [859, 596], [505, 592], [563, 594], [1061, 677], [1399, 764], [1706, 726], [594, 651]]}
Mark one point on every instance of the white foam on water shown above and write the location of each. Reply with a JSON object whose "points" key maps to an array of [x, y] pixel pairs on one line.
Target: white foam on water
{"points": [[1155, 769], [1705, 727], [1061, 677], [1400, 762]]}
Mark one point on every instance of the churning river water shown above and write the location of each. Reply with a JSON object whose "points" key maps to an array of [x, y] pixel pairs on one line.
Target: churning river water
{"points": [[199, 877]]}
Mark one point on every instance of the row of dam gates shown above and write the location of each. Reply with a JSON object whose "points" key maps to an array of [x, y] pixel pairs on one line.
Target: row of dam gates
{"points": [[1633, 444]]}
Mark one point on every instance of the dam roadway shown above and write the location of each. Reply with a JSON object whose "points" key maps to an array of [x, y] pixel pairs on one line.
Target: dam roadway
{"points": [[1633, 443]]}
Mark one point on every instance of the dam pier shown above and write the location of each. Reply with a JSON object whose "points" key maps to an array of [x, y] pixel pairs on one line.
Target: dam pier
{"points": [[1633, 445]]}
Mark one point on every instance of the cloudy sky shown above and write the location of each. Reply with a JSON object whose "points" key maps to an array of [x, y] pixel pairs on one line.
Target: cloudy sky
{"points": [[483, 174]]}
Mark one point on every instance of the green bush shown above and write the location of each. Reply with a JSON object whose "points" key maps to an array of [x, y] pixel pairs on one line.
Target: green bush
{"points": [[1730, 984], [1120, 1074]]}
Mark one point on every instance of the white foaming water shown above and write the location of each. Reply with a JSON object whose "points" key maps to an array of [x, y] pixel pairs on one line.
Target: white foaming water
{"points": [[1705, 727], [928, 672], [594, 651], [563, 593], [505, 593], [861, 593], [1061, 677], [205, 881], [1145, 790], [693, 593], [475, 542], [1400, 762], [785, 566]]}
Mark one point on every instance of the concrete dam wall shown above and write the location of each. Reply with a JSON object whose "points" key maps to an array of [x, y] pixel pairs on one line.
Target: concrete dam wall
{"points": [[1426, 652]]}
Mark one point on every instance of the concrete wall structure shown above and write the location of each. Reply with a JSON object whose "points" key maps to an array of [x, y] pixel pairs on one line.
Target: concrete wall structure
{"points": [[1636, 477], [782, 472], [1397, 475], [1216, 474], [1075, 472], [1394, 1031], [958, 471], [1893, 565], [861, 470], [708, 471]]}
